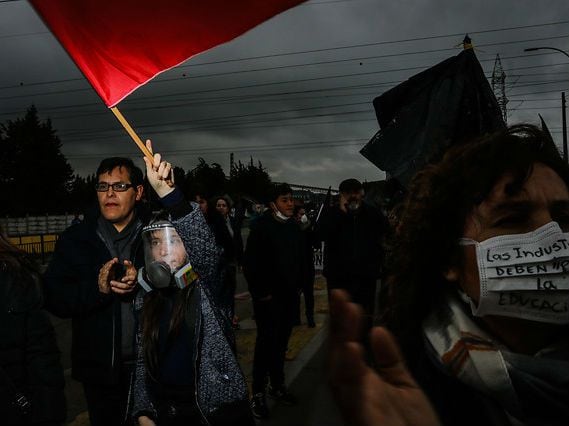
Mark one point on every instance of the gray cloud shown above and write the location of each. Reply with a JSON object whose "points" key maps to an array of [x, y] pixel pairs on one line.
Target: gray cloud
{"points": [[220, 101]]}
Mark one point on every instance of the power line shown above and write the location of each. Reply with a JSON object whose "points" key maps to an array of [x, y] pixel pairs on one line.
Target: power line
{"points": [[219, 100], [257, 114], [337, 76], [535, 100], [24, 34], [249, 86], [537, 83], [255, 98], [266, 97], [280, 67], [386, 42], [238, 148], [540, 92], [217, 126], [536, 66]]}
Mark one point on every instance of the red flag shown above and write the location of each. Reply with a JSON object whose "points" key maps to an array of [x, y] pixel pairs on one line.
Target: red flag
{"points": [[119, 45]]}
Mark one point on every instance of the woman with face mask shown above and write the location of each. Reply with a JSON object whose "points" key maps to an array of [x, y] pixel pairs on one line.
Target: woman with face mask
{"points": [[186, 371], [478, 297]]}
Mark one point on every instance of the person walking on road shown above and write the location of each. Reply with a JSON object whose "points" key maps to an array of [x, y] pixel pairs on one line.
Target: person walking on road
{"points": [[274, 267], [353, 233]]}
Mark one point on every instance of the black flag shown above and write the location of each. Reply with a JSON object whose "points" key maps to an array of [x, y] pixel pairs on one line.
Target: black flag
{"points": [[449, 103]]}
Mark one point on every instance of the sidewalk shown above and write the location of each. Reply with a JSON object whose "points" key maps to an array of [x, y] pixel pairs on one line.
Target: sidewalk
{"points": [[303, 345]]}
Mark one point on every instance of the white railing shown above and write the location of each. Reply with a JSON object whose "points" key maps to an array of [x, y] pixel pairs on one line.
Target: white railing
{"points": [[35, 225]]}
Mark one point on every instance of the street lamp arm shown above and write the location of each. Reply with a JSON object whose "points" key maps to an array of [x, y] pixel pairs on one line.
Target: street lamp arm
{"points": [[532, 49]]}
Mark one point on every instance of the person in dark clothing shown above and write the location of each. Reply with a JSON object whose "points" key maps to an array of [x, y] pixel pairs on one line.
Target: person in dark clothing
{"points": [[484, 340], [31, 376], [92, 279], [186, 370], [76, 219], [223, 238], [200, 195], [274, 267], [307, 284], [232, 244], [353, 235]]}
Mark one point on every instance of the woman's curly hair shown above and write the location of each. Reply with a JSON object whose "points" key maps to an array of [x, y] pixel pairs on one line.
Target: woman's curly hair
{"points": [[440, 198]]}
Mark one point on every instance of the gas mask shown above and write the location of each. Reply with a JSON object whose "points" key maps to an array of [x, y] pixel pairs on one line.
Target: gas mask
{"points": [[524, 275], [166, 261]]}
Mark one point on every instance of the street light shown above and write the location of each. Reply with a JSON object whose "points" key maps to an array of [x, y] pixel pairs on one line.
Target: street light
{"points": [[563, 107], [533, 49]]}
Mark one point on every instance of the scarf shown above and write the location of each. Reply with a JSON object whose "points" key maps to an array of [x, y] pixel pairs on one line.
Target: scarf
{"points": [[532, 390], [120, 245]]}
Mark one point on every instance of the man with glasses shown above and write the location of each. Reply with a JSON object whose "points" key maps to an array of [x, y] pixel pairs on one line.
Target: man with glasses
{"points": [[92, 279]]}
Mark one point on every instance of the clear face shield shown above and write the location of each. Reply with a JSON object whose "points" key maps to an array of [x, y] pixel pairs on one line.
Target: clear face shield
{"points": [[166, 261]]}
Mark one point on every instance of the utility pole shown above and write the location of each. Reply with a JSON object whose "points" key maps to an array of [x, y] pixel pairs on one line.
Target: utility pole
{"points": [[231, 165], [564, 125], [563, 103], [499, 87]]}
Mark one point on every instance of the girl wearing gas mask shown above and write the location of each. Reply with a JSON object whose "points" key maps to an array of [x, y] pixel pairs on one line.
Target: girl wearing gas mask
{"points": [[186, 371], [478, 297]]}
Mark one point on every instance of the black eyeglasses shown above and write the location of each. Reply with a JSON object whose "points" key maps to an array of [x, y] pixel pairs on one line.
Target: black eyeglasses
{"points": [[117, 186]]}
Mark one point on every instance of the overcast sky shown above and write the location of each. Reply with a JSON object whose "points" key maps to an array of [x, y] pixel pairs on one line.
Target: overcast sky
{"points": [[295, 92]]}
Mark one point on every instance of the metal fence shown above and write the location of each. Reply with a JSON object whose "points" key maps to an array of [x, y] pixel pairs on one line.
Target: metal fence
{"points": [[35, 225], [37, 245], [35, 235]]}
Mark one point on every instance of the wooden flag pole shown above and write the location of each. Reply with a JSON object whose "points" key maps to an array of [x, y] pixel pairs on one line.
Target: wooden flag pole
{"points": [[139, 143], [132, 133]]}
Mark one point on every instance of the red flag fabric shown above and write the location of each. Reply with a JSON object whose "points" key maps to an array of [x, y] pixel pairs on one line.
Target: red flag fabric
{"points": [[119, 45]]}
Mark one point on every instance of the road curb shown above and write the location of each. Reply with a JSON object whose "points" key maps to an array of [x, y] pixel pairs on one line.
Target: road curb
{"points": [[294, 368]]}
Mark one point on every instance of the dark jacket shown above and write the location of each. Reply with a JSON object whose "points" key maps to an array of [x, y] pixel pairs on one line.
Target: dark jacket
{"points": [[309, 244], [235, 251], [72, 291], [274, 262], [353, 242], [232, 246], [28, 354], [220, 388]]}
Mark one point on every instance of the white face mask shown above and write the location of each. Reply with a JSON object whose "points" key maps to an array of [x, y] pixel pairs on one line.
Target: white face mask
{"points": [[524, 275], [280, 215]]}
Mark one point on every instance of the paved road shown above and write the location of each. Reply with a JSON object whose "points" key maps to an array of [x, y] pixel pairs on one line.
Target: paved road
{"points": [[316, 406], [305, 376], [73, 389], [306, 372]]}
